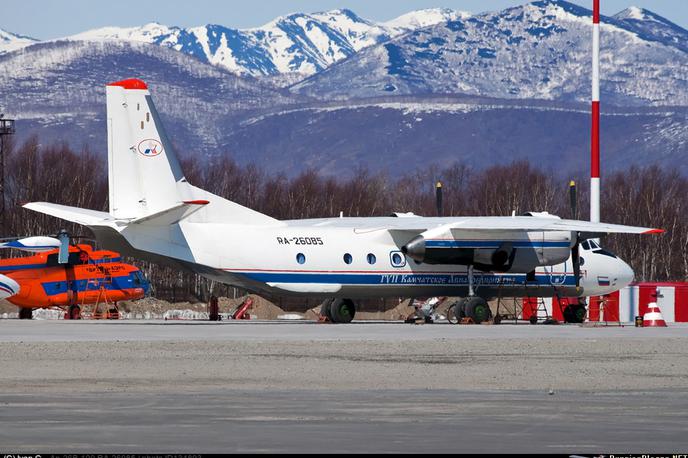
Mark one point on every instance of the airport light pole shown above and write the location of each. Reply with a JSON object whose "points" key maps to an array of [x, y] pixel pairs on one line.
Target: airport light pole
{"points": [[6, 129]]}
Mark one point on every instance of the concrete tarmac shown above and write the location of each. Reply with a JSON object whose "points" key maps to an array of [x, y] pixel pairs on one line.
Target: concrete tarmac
{"points": [[125, 387]]}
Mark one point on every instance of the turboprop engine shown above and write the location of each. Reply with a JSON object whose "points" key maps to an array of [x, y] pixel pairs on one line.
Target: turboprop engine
{"points": [[502, 251]]}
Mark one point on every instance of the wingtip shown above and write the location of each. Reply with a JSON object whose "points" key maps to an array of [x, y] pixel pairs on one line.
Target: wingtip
{"points": [[655, 231]]}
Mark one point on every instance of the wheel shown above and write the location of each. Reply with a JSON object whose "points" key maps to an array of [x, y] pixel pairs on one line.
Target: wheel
{"points": [[326, 309], [497, 319], [451, 316], [457, 311], [478, 310], [74, 312], [574, 313], [342, 310], [25, 313]]}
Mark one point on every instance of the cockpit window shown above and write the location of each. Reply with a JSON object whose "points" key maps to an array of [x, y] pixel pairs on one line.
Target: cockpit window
{"points": [[605, 253], [585, 245], [593, 244], [74, 259]]}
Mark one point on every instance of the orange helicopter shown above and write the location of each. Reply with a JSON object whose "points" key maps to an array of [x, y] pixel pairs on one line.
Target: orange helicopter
{"points": [[66, 276]]}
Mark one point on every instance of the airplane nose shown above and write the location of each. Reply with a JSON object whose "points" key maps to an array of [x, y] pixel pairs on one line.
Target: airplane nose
{"points": [[625, 274]]}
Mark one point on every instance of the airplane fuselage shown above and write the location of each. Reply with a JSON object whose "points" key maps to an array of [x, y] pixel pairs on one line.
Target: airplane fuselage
{"points": [[331, 257]]}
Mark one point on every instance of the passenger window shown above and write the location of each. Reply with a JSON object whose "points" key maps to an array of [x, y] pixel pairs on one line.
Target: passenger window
{"points": [[348, 259], [371, 258], [300, 258], [397, 259]]}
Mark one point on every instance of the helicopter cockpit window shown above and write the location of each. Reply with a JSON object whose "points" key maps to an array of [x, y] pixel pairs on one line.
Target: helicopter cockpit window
{"points": [[138, 278]]}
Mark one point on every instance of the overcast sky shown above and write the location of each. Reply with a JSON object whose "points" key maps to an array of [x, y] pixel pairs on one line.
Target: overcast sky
{"points": [[45, 19]]}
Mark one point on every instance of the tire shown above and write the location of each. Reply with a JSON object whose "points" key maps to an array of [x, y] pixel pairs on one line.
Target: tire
{"points": [[574, 313], [478, 310], [460, 309], [451, 316], [74, 312], [25, 313], [342, 310], [457, 311]]}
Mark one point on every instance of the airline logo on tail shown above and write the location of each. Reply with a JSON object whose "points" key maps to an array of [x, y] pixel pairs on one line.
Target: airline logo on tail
{"points": [[150, 147]]}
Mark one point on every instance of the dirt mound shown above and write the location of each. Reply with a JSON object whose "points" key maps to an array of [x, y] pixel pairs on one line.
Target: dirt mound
{"points": [[260, 309]]}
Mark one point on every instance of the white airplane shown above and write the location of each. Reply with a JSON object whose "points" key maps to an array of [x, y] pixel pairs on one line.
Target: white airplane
{"points": [[156, 214]]}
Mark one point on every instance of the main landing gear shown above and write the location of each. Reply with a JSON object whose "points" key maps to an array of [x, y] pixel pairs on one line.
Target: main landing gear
{"points": [[473, 307], [25, 313], [338, 310]]}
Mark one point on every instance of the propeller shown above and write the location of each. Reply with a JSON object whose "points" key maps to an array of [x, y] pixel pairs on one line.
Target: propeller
{"points": [[438, 198], [575, 249], [35, 244], [40, 243]]}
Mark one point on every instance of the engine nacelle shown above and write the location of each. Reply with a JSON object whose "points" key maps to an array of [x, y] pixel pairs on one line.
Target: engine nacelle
{"points": [[522, 254]]}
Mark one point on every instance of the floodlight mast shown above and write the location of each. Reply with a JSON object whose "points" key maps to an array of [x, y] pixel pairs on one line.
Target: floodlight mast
{"points": [[6, 129]]}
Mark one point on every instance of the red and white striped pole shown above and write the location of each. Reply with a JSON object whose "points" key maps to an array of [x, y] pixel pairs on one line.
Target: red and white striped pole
{"points": [[595, 140]]}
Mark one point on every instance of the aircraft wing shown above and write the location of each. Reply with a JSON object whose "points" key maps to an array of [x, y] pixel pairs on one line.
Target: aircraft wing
{"points": [[518, 223]]}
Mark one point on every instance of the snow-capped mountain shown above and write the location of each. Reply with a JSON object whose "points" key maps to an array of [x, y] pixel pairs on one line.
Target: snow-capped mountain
{"points": [[428, 88], [425, 18], [652, 27], [57, 90], [298, 43], [11, 41], [539, 50]]}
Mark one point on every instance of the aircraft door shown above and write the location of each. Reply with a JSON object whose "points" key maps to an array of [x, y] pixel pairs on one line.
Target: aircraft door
{"points": [[558, 272]]}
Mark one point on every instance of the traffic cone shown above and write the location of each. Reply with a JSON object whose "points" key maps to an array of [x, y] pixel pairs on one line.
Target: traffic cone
{"points": [[653, 317]]}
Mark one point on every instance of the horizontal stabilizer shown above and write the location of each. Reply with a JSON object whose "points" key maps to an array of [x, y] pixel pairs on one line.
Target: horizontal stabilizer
{"points": [[172, 215], [73, 214]]}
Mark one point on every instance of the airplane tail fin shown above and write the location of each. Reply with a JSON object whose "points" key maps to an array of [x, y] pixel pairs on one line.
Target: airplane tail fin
{"points": [[144, 174]]}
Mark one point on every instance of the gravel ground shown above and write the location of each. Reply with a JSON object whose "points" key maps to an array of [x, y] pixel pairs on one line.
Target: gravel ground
{"points": [[66, 357], [183, 387]]}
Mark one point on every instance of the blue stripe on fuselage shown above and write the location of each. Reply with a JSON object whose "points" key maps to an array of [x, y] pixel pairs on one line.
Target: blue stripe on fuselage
{"points": [[404, 278], [59, 287]]}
